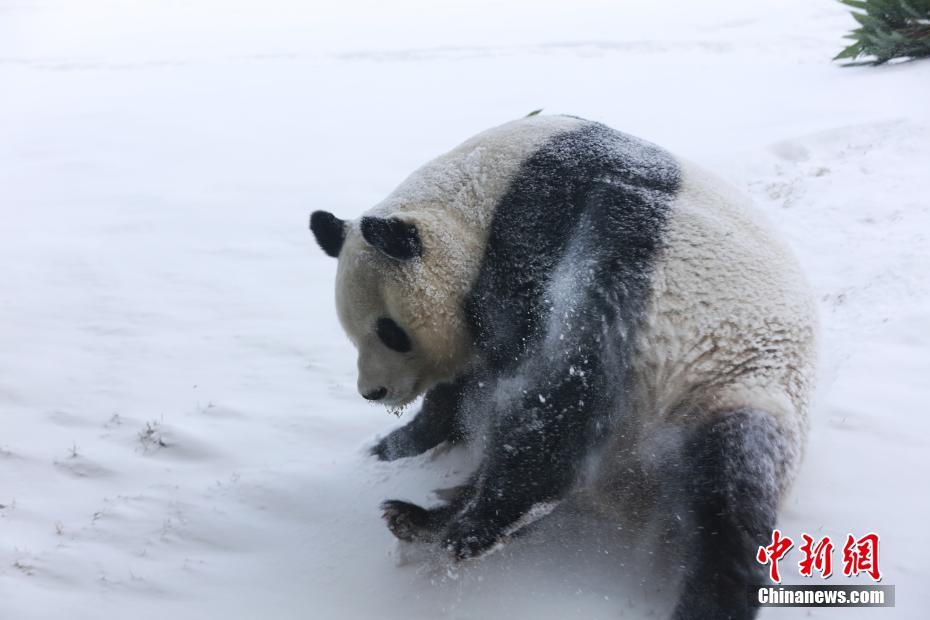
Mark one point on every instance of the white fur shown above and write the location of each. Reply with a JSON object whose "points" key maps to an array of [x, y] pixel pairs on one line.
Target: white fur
{"points": [[730, 324]]}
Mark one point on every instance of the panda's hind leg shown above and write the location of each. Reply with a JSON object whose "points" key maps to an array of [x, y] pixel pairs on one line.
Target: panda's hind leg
{"points": [[737, 464]]}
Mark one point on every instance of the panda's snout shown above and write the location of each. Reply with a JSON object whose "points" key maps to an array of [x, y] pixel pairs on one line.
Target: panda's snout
{"points": [[377, 394]]}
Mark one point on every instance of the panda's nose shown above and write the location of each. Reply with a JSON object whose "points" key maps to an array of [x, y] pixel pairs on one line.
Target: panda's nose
{"points": [[378, 394]]}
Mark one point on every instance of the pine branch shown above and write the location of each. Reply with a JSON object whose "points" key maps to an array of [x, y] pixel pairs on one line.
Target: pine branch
{"points": [[888, 30]]}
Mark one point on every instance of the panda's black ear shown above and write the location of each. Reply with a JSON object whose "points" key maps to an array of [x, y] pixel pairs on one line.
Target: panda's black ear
{"points": [[394, 237], [329, 230]]}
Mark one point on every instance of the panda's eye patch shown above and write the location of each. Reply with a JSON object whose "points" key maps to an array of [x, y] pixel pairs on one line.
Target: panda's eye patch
{"points": [[392, 335]]}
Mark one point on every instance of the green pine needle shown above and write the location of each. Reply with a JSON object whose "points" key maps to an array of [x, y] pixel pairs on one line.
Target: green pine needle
{"points": [[889, 30]]}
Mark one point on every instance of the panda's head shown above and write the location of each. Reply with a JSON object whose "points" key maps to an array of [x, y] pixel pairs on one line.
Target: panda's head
{"points": [[399, 299]]}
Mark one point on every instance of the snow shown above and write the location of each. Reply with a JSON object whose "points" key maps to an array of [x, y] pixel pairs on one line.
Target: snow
{"points": [[181, 432]]}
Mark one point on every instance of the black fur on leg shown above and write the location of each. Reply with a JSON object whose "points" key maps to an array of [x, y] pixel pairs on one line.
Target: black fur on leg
{"points": [[436, 422], [738, 462]]}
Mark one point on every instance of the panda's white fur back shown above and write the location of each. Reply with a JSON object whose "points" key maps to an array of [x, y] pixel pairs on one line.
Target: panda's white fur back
{"points": [[730, 324], [730, 311]]}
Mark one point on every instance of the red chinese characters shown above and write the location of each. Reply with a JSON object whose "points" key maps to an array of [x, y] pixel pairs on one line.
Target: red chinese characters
{"points": [[773, 553], [861, 556], [817, 557]]}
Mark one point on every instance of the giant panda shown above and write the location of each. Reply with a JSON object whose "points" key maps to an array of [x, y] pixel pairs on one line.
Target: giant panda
{"points": [[588, 311]]}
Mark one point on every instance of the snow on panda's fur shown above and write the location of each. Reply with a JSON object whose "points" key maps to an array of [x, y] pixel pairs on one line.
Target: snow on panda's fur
{"points": [[593, 312]]}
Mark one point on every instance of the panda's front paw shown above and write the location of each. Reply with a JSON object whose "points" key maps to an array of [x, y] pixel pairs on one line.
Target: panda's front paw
{"points": [[467, 539], [401, 443], [382, 451], [395, 446]]}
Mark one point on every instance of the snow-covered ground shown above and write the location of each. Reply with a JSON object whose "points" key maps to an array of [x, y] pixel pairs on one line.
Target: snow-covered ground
{"points": [[180, 434]]}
